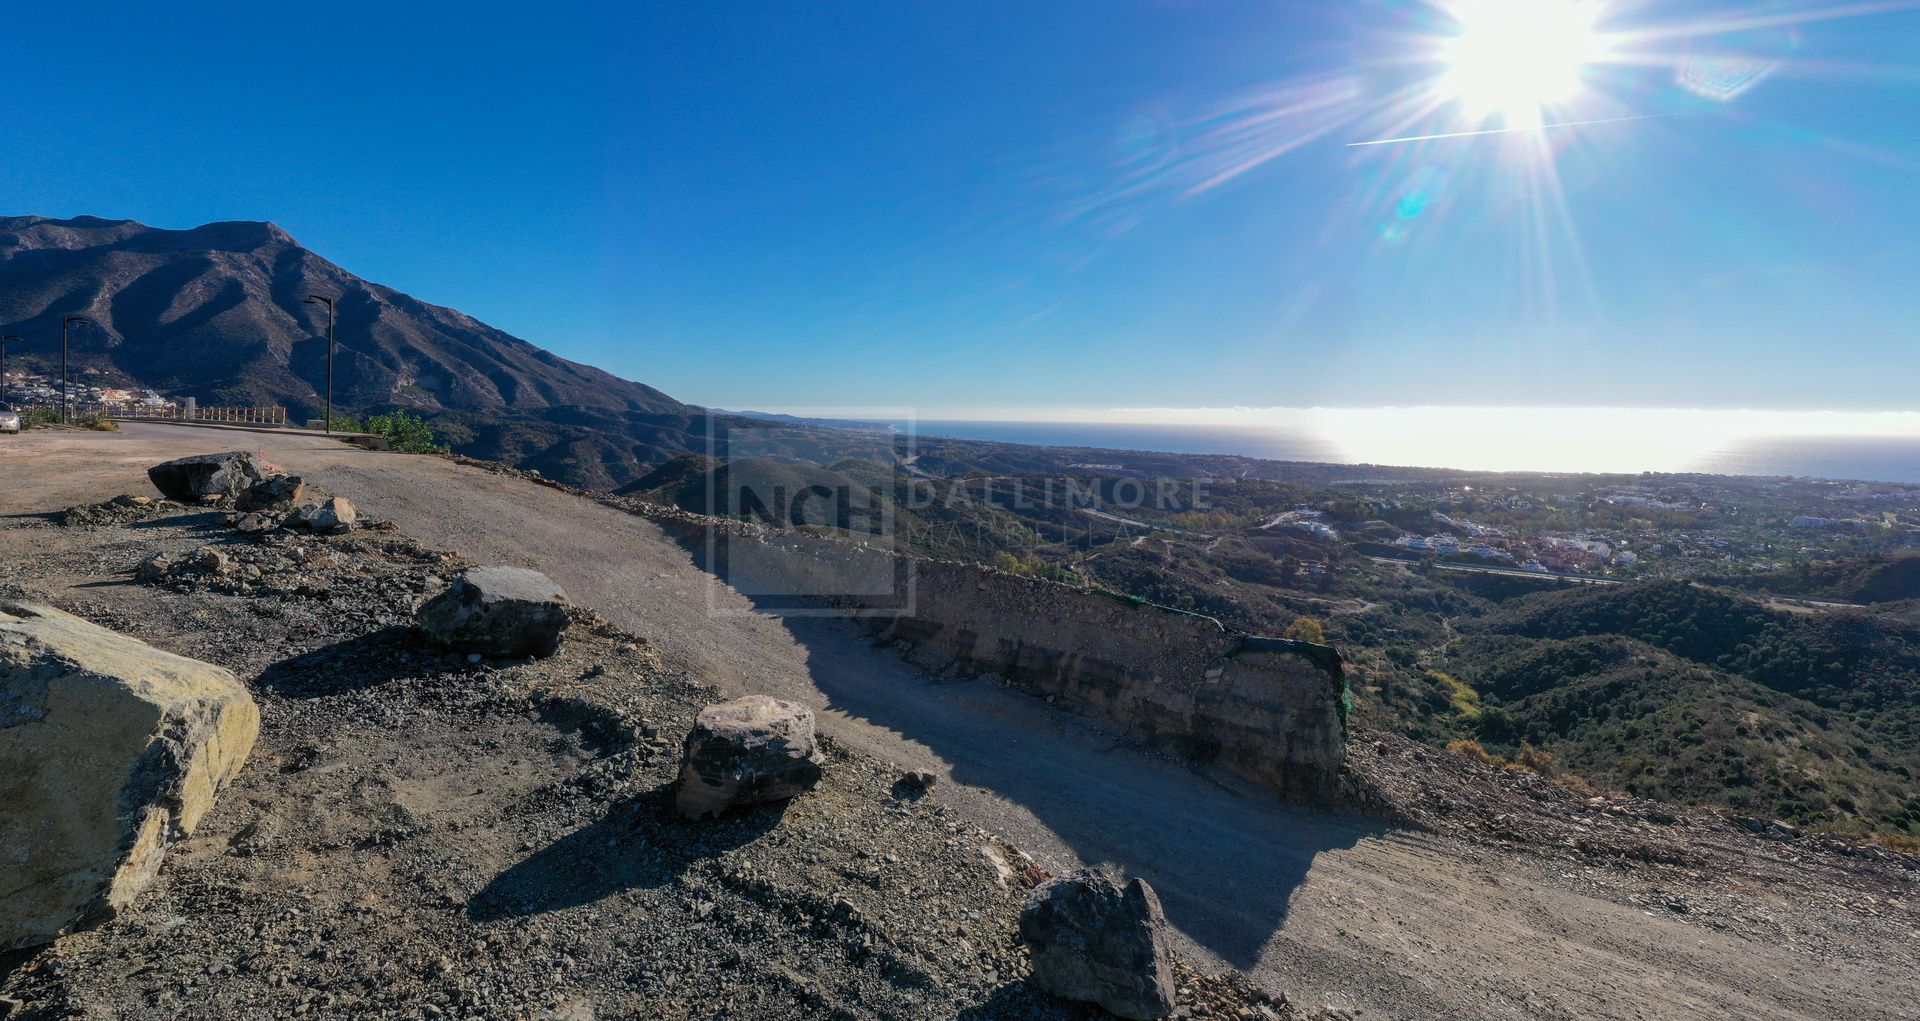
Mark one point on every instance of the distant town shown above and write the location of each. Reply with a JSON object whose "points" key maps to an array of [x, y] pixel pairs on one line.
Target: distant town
{"points": [[33, 390]]}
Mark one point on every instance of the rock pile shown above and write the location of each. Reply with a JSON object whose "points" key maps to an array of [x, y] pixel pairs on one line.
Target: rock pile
{"points": [[110, 752], [749, 750], [498, 611], [121, 510], [189, 479], [1096, 941]]}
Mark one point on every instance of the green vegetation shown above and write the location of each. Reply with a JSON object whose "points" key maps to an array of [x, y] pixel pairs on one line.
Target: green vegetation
{"points": [[405, 432], [1695, 678], [1306, 629], [1466, 701]]}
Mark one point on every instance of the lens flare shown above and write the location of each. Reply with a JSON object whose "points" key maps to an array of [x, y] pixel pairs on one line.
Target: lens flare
{"points": [[1516, 59]]}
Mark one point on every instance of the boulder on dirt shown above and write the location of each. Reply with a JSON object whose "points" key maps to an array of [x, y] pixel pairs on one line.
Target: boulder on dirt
{"points": [[498, 611], [276, 493], [331, 516], [746, 751], [190, 478], [1095, 941], [110, 752]]}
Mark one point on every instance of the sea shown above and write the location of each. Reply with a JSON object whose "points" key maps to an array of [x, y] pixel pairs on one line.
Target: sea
{"points": [[1630, 441]]}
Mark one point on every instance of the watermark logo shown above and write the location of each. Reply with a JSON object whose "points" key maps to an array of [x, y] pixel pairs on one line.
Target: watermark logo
{"points": [[826, 515], [812, 512]]}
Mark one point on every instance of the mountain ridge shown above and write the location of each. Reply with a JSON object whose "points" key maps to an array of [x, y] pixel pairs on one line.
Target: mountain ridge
{"points": [[217, 312]]}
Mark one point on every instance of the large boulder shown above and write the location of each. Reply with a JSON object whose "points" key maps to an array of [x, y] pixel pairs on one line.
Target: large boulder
{"points": [[278, 492], [749, 750], [190, 478], [331, 516], [1095, 941], [110, 752], [498, 611]]}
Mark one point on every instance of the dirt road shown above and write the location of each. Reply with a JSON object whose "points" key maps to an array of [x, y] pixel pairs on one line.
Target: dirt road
{"points": [[1335, 911]]}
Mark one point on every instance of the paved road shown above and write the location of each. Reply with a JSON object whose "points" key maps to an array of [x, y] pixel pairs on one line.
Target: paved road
{"points": [[1777, 601], [1334, 911]]}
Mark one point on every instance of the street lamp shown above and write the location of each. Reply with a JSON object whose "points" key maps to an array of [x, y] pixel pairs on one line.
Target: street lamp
{"points": [[64, 385], [3, 364], [315, 299]]}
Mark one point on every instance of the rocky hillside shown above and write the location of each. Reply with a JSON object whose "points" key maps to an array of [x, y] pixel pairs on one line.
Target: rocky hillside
{"points": [[426, 832], [217, 313]]}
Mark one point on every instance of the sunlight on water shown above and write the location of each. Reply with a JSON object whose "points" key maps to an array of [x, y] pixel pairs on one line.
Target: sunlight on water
{"points": [[1882, 446]]}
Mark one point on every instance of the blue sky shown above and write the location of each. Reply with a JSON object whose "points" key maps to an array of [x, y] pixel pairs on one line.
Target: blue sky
{"points": [[994, 208]]}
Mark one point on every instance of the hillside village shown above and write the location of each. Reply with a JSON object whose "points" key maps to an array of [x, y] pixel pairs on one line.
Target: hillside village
{"points": [[34, 390]]}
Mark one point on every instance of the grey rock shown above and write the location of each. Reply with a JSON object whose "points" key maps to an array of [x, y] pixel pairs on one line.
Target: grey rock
{"points": [[155, 567], [498, 611], [203, 475], [1095, 941], [209, 560], [752, 749], [276, 493], [333, 515]]}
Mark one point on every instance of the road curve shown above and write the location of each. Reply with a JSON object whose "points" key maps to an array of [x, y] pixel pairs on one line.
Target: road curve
{"points": [[1335, 911]]}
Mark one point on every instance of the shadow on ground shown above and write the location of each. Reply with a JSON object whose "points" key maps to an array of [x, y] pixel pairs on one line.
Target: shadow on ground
{"points": [[1018, 1000], [369, 661], [637, 844], [1224, 855]]}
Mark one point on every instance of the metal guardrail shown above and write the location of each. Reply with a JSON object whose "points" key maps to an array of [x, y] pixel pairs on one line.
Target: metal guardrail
{"points": [[243, 415], [236, 414]]}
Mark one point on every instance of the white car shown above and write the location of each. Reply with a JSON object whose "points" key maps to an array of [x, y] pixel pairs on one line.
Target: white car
{"points": [[9, 419]]}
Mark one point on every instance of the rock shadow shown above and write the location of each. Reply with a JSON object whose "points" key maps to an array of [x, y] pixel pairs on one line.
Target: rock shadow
{"points": [[1224, 854], [1017, 999], [640, 843], [369, 661]]}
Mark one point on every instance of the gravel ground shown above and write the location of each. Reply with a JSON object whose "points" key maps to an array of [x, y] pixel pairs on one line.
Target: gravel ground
{"points": [[1492, 896], [418, 835]]}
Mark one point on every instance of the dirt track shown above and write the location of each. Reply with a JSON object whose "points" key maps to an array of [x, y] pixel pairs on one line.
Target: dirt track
{"points": [[1337, 912]]}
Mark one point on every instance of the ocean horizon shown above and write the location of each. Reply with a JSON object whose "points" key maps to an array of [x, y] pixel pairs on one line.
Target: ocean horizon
{"points": [[1598, 441]]}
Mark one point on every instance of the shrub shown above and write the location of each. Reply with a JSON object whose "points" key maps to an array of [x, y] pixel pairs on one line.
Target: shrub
{"points": [[37, 418], [1460, 694], [1469, 749], [404, 432], [1536, 760], [1306, 629]]}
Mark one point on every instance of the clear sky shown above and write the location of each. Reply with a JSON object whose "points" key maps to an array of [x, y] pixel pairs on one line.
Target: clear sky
{"points": [[984, 207]]}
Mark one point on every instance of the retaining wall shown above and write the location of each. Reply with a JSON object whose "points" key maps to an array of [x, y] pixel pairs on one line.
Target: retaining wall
{"points": [[1270, 709]]}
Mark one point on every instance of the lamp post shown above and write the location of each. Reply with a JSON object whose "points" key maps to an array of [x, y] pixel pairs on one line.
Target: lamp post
{"points": [[64, 385], [3, 364], [315, 299]]}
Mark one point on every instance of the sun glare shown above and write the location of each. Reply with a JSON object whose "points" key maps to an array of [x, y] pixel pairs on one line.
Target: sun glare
{"points": [[1517, 59]]}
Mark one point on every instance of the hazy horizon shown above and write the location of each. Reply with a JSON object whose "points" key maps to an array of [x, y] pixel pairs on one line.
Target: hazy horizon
{"points": [[1875, 446]]}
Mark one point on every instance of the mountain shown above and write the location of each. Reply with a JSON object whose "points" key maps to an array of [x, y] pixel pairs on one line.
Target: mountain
{"points": [[217, 313]]}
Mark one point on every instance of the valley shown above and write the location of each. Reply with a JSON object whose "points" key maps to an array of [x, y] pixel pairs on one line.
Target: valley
{"points": [[1350, 912]]}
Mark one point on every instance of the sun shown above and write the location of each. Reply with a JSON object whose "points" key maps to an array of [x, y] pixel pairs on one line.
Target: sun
{"points": [[1517, 59]]}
